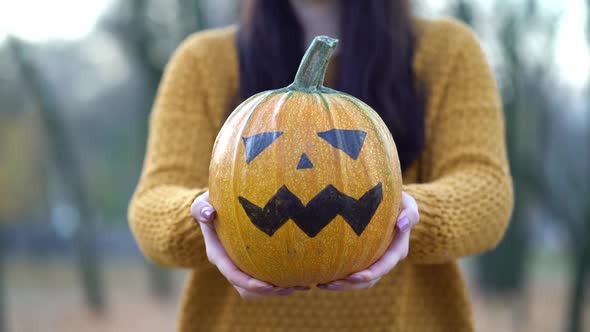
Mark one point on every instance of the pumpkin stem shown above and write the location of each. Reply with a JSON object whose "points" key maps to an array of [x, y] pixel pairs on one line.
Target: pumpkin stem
{"points": [[311, 72]]}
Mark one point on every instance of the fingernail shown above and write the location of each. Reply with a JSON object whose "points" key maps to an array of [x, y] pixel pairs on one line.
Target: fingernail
{"points": [[207, 212], [301, 288], [356, 278], [266, 288], [330, 287], [403, 224], [285, 291], [260, 285]]}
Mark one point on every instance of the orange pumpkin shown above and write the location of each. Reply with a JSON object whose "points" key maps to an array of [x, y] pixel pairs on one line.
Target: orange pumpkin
{"points": [[305, 180]]}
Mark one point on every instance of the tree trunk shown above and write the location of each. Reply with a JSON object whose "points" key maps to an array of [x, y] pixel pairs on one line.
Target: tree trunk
{"points": [[63, 154], [88, 262], [581, 273], [3, 315], [160, 281], [464, 11]]}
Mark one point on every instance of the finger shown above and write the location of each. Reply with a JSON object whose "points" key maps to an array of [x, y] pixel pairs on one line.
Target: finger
{"points": [[285, 291], [397, 250], [212, 244], [344, 285], [236, 277], [246, 295], [218, 256], [250, 295], [202, 210], [239, 278], [409, 215], [410, 208]]}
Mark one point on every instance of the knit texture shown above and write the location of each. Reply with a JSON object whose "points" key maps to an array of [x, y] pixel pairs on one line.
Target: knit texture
{"points": [[461, 183]]}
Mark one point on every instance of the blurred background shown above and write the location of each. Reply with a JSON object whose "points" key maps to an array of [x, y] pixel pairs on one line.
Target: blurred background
{"points": [[77, 80]]}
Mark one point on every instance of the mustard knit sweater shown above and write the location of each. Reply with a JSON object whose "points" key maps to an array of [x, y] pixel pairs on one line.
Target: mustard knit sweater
{"points": [[461, 183]]}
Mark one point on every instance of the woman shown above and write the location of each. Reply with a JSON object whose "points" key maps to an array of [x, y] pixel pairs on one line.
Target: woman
{"points": [[429, 81]]}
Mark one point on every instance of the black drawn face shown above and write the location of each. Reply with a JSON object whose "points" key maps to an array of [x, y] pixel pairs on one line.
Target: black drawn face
{"points": [[312, 217]]}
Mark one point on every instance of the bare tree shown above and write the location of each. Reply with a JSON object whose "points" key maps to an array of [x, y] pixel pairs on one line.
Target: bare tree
{"points": [[502, 270], [141, 39], [568, 197], [524, 79], [67, 164], [3, 314], [149, 43]]}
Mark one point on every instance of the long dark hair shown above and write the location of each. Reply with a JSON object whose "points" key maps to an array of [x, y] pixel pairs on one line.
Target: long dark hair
{"points": [[375, 60]]}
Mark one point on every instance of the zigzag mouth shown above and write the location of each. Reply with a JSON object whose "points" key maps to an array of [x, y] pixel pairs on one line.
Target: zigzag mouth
{"points": [[318, 212]]}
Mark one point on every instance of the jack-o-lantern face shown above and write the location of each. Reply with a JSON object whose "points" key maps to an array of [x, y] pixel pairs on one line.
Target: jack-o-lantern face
{"points": [[306, 185], [284, 205]]}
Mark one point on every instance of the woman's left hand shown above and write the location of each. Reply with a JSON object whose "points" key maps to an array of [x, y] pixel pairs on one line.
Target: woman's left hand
{"points": [[397, 250]]}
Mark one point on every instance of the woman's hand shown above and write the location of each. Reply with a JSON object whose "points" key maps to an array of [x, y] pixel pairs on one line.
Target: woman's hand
{"points": [[397, 250], [248, 287]]}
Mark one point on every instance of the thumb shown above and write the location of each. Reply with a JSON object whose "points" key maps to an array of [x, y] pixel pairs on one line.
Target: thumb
{"points": [[202, 210]]}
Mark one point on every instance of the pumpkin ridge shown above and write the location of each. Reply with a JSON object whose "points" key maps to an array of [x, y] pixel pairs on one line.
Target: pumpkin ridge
{"points": [[358, 249], [235, 182], [324, 101], [255, 108], [280, 104], [340, 251], [375, 120], [290, 94], [377, 131]]}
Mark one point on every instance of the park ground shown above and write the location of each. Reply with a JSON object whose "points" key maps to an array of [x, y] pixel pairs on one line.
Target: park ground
{"points": [[44, 296]]}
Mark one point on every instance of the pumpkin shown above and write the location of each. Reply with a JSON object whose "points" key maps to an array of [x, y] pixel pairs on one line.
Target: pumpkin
{"points": [[305, 180]]}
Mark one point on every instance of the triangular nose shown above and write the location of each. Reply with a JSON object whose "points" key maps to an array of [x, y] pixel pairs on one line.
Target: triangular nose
{"points": [[304, 162]]}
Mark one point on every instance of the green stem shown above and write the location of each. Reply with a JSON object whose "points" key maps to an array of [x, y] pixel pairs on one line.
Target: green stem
{"points": [[311, 72]]}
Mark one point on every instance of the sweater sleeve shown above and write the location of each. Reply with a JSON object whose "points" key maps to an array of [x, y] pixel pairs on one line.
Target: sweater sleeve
{"points": [[175, 169], [466, 199]]}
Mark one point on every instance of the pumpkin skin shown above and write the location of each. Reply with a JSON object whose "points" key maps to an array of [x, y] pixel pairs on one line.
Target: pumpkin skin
{"points": [[301, 144]]}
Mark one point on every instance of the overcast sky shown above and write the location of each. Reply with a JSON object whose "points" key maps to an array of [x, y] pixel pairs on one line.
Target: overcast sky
{"points": [[40, 21]]}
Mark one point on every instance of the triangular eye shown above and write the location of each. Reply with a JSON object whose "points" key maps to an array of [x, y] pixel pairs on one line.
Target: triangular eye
{"points": [[255, 144], [304, 162], [349, 141]]}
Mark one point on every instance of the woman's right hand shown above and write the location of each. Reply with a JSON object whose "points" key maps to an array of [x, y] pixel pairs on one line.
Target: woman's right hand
{"points": [[248, 287]]}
